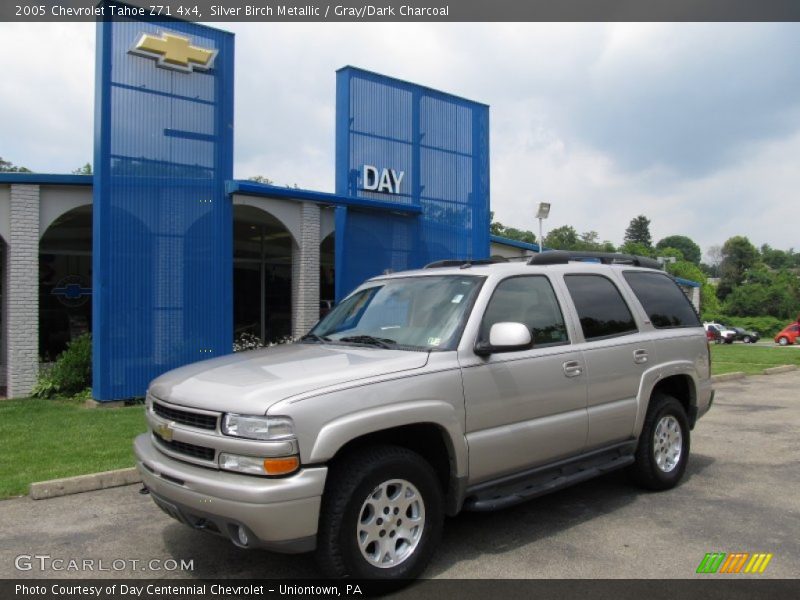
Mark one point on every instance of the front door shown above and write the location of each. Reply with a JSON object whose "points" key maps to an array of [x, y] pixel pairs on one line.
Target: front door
{"points": [[524, 408]]}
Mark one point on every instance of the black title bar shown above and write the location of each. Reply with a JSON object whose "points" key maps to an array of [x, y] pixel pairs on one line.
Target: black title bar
{"points": [[405, 11]]}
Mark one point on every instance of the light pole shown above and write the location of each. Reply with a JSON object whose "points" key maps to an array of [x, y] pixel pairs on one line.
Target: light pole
{"points": [[544, 210]]}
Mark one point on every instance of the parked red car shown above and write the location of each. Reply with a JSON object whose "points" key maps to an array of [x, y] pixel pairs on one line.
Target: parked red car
{"points": [[788, 335]]}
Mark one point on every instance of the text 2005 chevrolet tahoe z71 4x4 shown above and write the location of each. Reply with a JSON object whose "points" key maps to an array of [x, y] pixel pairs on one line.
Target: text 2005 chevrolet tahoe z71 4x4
{"points": [[459, 386]]}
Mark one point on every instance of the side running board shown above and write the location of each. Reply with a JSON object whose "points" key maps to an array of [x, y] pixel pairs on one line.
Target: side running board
{"points": [[515, 489]]}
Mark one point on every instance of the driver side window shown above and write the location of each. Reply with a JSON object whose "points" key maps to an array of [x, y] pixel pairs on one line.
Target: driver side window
{"points": [[527, 299]]}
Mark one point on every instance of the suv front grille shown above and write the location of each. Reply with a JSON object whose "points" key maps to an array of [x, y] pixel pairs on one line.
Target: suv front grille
{"points": [[200, 452], [185, 417]]}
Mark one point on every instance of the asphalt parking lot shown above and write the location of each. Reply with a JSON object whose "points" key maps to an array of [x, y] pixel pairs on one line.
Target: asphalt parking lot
{"points": [[741, 494]]}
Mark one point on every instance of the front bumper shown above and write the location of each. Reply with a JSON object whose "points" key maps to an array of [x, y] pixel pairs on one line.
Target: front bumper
{"points": [[278, 514]]}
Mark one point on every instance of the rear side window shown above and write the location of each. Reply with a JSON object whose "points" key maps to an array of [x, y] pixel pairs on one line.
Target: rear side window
{"points": [[601, 309], [663, 301]]}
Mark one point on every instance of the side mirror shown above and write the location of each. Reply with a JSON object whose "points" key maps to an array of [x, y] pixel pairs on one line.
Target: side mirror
{"points": [[505, 337]]}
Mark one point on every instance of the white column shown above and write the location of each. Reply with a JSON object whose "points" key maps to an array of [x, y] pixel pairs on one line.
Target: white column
{"points": [[22, 291], [305, 271], [696, 298]]}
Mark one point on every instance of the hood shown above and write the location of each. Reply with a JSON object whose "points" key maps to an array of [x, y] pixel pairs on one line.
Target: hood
{"points": [[250, 382]]}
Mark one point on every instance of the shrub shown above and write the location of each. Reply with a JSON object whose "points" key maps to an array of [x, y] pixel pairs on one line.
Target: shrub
{"points": [[71, 373], [249, 341]]}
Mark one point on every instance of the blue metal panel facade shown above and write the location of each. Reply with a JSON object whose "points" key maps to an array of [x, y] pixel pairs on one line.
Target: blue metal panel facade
{"points": [[441, 143], [162, 265]]}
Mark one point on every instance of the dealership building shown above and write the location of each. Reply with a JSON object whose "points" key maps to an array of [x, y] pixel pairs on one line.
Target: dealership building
{"points": [[167, 259]]}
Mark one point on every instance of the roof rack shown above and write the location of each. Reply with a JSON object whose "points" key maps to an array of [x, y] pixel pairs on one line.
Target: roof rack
{"points": [[561, 257], [465, 263]]}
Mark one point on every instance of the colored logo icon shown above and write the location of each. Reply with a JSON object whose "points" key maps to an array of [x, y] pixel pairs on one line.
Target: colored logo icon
{"points": [[174, 52], [734, 563]]}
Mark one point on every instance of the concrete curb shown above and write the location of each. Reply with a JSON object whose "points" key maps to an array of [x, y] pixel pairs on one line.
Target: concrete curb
{"points": [[83, 483], [728, 376], [781, 369]]}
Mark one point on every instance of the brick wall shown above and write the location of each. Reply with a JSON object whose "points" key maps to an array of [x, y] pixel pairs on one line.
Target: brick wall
{"points": [[305, 271], [22, 291]]}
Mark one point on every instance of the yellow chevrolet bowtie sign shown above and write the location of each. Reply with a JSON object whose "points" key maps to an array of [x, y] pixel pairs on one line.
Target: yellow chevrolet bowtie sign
{"points": [[174, 52]]}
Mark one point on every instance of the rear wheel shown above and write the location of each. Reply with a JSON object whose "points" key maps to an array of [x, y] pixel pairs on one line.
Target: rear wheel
{"points": [[382, 515], [746, 339], [663, 450]]}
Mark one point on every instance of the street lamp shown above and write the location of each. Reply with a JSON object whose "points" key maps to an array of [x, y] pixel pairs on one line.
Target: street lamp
{"points": [[544, 210]]}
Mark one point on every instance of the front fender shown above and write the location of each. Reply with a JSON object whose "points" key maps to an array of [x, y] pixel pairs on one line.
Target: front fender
{"points": [[338, 432]]}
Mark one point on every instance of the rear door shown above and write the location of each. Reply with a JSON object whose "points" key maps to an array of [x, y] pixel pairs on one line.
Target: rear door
{"points": [[615, 352]]}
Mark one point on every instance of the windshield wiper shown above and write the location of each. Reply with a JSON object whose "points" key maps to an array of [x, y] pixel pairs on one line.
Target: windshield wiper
{"points": [[313, 337], [369, 340]]}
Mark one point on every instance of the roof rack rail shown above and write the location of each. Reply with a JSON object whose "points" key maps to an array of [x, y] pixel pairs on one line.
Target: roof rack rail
{"points": [[465, 263], [561, 257]]}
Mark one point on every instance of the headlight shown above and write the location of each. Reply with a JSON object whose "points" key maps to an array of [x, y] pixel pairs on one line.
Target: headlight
{"points": [[257, 428]]}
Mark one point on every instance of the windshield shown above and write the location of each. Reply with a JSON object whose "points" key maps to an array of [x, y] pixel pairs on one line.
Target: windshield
{"points": [[409, 313]]}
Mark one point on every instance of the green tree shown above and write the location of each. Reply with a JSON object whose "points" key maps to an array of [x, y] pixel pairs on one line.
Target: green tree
{"points": [[638, 232], [636, 248], [738, 255], [688, 270], [668, 252], [566, 238], [777, 259], [84, 170], [261, 179], [8, 167], [563, 238], [688, 248], [500, 230]]}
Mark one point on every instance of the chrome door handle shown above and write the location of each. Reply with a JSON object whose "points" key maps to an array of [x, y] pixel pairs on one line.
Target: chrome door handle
{"points": [[640, 356], [572, 368]]}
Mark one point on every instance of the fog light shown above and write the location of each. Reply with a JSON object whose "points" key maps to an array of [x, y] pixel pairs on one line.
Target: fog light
{"points": [[254, 465], [241, 533]]}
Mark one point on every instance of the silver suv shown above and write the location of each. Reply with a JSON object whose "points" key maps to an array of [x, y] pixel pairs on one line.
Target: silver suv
{"points": [[461, 386]]}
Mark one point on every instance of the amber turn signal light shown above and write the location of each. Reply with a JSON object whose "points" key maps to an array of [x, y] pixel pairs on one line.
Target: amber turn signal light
{"points": [[281, 466]]}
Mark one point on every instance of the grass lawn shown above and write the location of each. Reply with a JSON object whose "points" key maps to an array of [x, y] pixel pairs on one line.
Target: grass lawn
{"points": [[48, 439], [749, 358]]}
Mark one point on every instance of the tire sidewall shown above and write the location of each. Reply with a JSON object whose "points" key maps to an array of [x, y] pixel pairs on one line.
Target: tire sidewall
{"points": [[668, 406], [425, 481]]}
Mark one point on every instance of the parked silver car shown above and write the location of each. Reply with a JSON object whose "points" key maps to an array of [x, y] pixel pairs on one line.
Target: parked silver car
{"points": [[462, 386]]}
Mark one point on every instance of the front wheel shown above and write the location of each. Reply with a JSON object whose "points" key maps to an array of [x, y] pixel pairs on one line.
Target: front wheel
{"points": [[783, 341], [746, 339], [663, 450], [382, 515]]}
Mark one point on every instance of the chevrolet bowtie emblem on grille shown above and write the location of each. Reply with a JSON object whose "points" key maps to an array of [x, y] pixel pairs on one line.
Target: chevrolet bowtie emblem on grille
{"points": [[164, 430], [174, 52]]}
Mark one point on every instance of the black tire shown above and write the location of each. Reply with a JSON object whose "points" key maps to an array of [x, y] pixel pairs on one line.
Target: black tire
{"points": [[729, 341], [783, 341], [645, 470], [351, 482], [746, 339]]}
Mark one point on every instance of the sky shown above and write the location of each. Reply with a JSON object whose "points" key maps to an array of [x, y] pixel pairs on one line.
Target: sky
{"points": [[696, 126]]}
